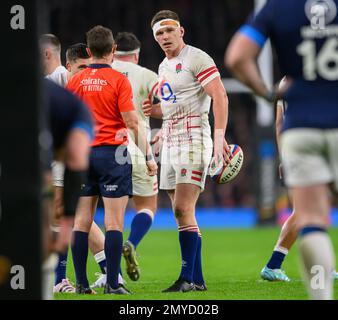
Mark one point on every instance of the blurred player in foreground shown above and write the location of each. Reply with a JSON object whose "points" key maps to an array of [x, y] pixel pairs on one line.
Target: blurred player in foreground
{"points": [[188, 80], [288, 236], [109, 96], [70, 125], [304, 34]]}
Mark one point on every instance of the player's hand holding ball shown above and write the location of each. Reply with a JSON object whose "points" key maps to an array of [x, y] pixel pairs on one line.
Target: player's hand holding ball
{"points": [[225, 171], [222, 151]]}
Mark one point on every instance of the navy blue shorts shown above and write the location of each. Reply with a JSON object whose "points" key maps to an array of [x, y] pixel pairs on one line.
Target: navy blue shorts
{"points": [[109, 174]]}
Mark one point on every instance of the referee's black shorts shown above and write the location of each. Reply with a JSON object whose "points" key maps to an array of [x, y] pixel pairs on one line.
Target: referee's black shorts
{"points": [[109, 174]]}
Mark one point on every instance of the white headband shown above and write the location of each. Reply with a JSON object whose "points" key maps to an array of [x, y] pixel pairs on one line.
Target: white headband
{"points": [[163, 23], [127, 53]]}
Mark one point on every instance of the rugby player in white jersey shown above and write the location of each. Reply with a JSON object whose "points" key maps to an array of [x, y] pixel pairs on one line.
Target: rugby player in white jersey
{"points": [[51, 59], [188, 80], [145, 187]]}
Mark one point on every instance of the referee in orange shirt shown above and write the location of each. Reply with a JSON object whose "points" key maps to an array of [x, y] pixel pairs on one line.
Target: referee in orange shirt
{"points": [[108, 95]]}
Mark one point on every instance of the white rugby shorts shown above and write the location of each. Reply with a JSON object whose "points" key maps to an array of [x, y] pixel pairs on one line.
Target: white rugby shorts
{"points": [[310, 156], [143, 184], [185, 164]]}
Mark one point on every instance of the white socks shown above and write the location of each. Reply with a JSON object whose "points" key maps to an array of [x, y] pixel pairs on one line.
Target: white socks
{"points": [[318, 263], [48, 276]]}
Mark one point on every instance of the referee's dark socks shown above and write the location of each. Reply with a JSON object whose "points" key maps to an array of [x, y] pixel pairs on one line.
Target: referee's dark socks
{"points": [[113, 251], [188, 236], [198, 274], [61, 268], [139, 227], [80, 253]]}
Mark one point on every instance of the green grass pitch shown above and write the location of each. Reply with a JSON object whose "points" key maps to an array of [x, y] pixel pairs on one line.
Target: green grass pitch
{"points": [[232, 260]]}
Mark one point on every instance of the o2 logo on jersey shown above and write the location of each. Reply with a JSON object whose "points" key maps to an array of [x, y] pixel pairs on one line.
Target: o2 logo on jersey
{"points": [[166, 93], [320, 13]]}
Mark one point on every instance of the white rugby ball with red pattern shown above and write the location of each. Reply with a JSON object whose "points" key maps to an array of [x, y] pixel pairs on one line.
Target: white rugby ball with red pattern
{"points": [[225, 173]]}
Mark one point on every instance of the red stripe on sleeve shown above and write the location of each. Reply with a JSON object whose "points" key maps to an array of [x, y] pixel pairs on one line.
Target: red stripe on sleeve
{"points": [[197, 172], [208, 75], [205, 71], [196, 179], [152, 90]]}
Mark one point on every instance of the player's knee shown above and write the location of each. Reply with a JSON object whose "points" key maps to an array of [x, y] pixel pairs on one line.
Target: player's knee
{"points": [[82, 223], [114, 227], [181, 210], [114, 223], [178, 214]]}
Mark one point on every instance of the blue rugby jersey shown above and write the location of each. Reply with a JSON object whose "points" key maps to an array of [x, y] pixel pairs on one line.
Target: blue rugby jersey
{"points": [[305, 36], [66, 112]]}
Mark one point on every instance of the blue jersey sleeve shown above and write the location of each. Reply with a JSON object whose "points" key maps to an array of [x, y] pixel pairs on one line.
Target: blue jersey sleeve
{"points": [[66, 113], [82, 118], [258, 27]]}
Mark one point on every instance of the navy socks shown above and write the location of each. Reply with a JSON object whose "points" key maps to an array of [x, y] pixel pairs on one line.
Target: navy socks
{"points": [[113, 251], [139, 227], [80, 253], [188, 238]]}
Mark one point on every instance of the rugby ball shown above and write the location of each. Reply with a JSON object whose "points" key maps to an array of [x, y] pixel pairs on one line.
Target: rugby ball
{"points": [[221, 173]]}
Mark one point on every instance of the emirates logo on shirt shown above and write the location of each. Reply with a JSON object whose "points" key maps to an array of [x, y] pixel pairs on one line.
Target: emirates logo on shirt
{"points": [[178, 67]]}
